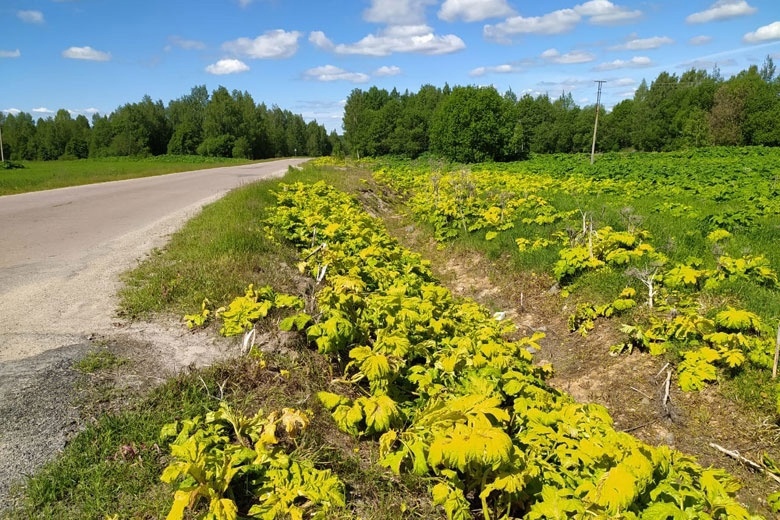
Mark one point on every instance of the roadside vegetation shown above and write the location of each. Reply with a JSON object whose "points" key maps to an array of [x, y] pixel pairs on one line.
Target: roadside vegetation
{"points": [[114, 466], [367, 388], [671, 245], [382, 394]]}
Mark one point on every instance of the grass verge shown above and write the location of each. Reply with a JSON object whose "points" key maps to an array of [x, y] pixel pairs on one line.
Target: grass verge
{"points": [[47, 175]]}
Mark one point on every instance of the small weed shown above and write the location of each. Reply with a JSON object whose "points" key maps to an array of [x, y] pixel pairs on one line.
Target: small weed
{"points": [[751, 388], [98, 360]]}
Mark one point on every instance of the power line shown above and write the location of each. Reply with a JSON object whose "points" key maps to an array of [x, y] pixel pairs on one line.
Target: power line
{"points": [[596, 124]]}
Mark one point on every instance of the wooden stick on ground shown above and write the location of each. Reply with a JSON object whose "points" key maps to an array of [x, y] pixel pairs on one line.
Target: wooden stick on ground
{"points": [[747, 462], [668, 383], [777, 353], [640, 392], [662, 369]]}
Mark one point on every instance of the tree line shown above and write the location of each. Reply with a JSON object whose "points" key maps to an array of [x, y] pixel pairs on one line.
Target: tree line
{"points": [[223, 124], [468, 124]]}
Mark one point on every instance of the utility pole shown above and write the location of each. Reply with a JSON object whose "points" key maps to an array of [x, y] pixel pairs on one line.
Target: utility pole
{"points": [[596, 124], [2, 154]]}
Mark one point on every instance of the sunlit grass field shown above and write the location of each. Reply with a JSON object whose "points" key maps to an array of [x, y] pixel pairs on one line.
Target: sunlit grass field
{"points": [[47, 175]]}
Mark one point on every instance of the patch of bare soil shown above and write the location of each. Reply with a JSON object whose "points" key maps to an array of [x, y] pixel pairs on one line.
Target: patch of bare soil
{"points": [[46, 399], [632, 387]]}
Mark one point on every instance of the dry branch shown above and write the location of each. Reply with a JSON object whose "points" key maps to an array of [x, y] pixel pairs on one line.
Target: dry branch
{"points": [[747, 462], [668, 383], [777, 353], [640, 392]]}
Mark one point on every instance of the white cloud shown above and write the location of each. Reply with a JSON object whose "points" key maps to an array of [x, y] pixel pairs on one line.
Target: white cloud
{"points": [[705, 64], [498, 69], [271, 44], [763, 34], [700, 40], [30, 16], [623, 82], [85, 53], [227, 66], [387, 71], [328, 113], [722, 10], [42, 110], [635, 62], [244, 3], [183, 43], [597, 12], [10, 54], [556, 22], [569, 84], [568, 58], [474, 10], [318, 39], [638, 44], [91, 110], [333, 73], [398, 38], [12, 111], [604, 12], [397, 12]]}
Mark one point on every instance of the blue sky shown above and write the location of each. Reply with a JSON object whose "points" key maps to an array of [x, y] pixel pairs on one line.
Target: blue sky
{"points": [[306, 56]]}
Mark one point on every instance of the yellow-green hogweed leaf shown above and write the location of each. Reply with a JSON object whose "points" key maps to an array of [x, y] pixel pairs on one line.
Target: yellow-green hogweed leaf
{"points": [[223, 509], [774, 501], [664, 511], [452, 500], [619, 487], [555, 504], [295, 322], [380, 412], [198, 319], [734, 319], [330, 400], [463, 446], [616, 490], [181, 499]]}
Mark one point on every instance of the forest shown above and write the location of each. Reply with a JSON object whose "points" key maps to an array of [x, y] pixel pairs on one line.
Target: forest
{"points": [[461, 123], [223, 124], [473, 124]]}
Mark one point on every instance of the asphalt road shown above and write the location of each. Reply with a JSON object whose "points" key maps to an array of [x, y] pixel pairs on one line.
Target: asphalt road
{"points": [[61, 254], [62, 250]]}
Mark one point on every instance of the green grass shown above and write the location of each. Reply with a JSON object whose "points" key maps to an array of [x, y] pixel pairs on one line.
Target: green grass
{"points": [[98, 360], [93, 477], [114, 465], [46, 175], [217, 254]]}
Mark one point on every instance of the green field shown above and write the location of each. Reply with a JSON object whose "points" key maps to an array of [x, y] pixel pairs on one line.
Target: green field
{"points": [[47, 175], [682, 248], [443, 409]]}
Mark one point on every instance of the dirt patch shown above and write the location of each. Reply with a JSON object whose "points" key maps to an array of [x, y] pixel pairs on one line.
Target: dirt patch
{"points": [[45, 399]]}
